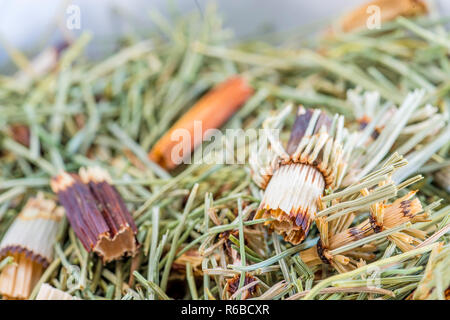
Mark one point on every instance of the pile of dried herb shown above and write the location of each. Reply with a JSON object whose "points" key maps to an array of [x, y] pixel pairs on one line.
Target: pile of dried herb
{"points": [[200, 226]]}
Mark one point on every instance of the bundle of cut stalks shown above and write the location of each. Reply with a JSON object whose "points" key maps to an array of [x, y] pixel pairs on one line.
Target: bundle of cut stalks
{"points": [[29, 241]]}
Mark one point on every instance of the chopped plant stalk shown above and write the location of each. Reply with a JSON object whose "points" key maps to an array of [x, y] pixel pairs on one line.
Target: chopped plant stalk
{"points": [[29, 241], [210, 112], [97, 213]]}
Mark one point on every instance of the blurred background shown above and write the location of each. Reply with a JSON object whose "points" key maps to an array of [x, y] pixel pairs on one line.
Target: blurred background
{"points": [[31, 25]]}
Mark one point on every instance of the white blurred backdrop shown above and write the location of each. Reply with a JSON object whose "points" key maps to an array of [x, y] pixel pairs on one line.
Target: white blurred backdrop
{"points": [[31, 25]]}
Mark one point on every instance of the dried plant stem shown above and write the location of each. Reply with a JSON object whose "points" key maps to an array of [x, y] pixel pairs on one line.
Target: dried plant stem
{"points": [[372, 290], [177, 233], [395, 259]]}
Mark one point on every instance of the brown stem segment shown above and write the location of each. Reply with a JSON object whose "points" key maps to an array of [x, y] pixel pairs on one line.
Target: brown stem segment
{"points": [[97, 213], [301, 124]]}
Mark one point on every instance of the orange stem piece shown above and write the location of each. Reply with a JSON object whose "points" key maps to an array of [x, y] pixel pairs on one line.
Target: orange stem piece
{"points": [[212, 110]]}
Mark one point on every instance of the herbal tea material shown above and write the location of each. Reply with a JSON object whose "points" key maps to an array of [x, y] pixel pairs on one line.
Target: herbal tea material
{"points": [[334, 179]]}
